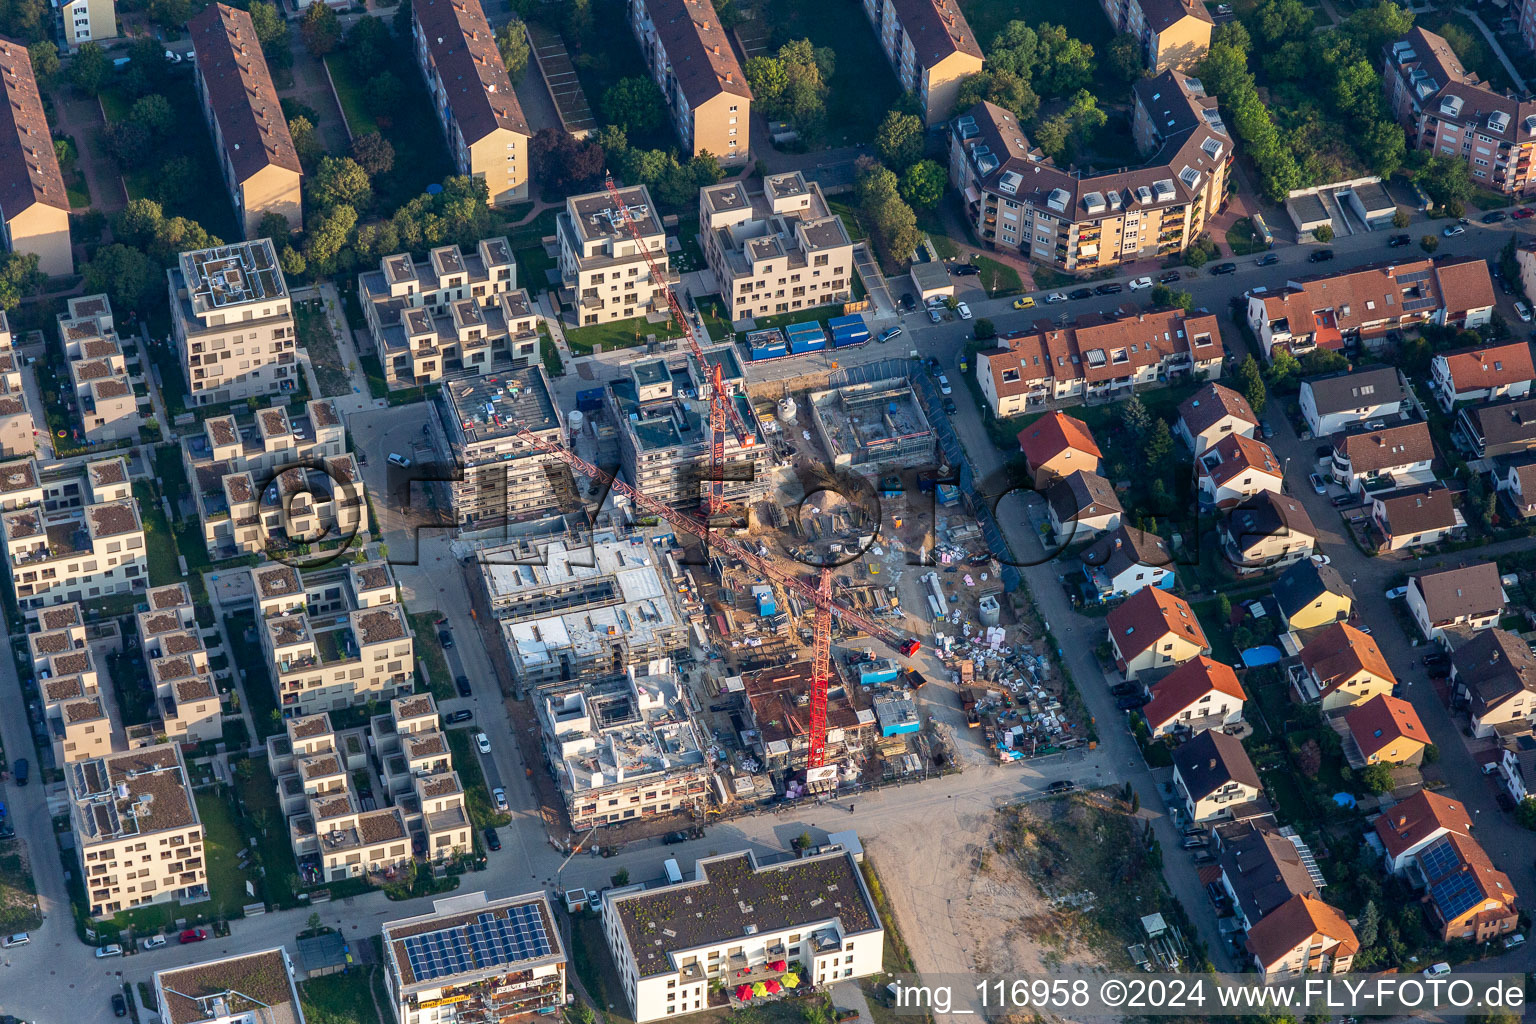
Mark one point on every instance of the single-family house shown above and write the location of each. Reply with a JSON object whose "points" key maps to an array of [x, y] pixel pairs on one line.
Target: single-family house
{"points": [[1386, 730], [1486, 373], [1198, 695], [1312, 595], [1416, 516], [1495, 673], [1517, 765], [1340, 668], [1058, 445], [1385, 459], [1304, 935], [1468, 595], [1260, 869], [1081, 506], [1515, 479], [1234, 468], [1338, 400], [1406, 828], [1499, 428], [1267, 530], [1211, 414], [1213, 776], [1466, 896], [1154, 631], [1125, 560]]}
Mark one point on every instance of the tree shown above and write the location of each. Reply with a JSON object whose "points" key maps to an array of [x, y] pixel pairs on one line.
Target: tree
{"points": [[273, 226], [1370, 920], [1283, 368], [985, 329], [1051, 136], [45, 60], [328, 238], [19, 277], [373, 153], [383, 94], [314, 924], [369, 43], [292, 261], [621, 878], [125, 274], [1135, 417], [1159, 445], [1124, 57], [306, 141], [1251, 384], [321, 29], [767, 77], [89, 69], [1400, 218], [923, 184], [564, 164], [1371, 28], [1164, 296], [1429, 243], [1377, 778], [512, 41], [1321, 360], [1525, 814], [340, 181], [170, 13], [1323, 233], [1309, 759], [636, 103], [899, 140], [270, 25], [1444, 180]]}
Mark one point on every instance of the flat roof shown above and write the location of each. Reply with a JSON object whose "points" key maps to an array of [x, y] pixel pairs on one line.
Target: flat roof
{"points": [[487, 408], [232, 275]]}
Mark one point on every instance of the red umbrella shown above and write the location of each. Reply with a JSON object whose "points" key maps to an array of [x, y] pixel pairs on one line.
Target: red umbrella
{"points": [[773, 985], [778, 965], [743, 992]]}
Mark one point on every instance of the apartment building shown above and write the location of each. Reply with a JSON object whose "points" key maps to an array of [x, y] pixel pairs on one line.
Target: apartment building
{"points": [[136, 830], [664, 437], [1097, 358], [232, 322], [931, 48], [16, 427], [477, 960], [333, 637], [778, 705], [455, 313], [1360, 306], [85, 21], [69, 684], [1017, 199], [472, 95], [738, 922], [569, 611], [1172, 33], [109, 408], [623, 748], [1448, 111], [187, 700], [250, 132], [775, 251], [689, 56], [271, 480], [502, 479], [604, 274], [241, 989], [416, 768], [75, 554], [34, 207]]}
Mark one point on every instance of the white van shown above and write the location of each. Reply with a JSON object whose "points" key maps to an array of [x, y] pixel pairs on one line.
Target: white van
{"points": [[1438, 970], [674, 873], [19, 939]]}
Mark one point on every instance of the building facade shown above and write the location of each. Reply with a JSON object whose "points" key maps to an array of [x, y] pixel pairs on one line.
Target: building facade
{"points": [[104, 392], [931, 48], [34, 206], [502, 478], [689, 56], [86, 21], [232, 323], [1171, 33], [604, 273], [75, 554]]}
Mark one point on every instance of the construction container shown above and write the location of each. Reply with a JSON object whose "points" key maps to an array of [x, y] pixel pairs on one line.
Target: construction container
{"points": [[848, 331], [589, 400]]}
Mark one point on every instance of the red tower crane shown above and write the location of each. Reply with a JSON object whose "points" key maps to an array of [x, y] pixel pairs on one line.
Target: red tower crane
{"points": [[820, 596], [722, 412]]}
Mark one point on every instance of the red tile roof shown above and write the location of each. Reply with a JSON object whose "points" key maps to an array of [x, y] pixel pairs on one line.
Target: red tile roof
{"points": [[698, 50], [1382, 721], [1237, 453], [1491, 366], [1054, 433], [240, 91], [1339, 652], [1465, 286], [1149, 615], [1419, 817], [1213, 403], [1187, 684], [29, 167], [1387, 449], [1294, 922]]}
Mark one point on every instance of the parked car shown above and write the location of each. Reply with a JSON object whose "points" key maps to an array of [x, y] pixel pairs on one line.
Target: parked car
{"points": [[888, 334], [1080, 293], [1438, 970], [963, 310], [1024, 302], [1504, 800], [1346, 501], [102, 952], [193, 935], [461, 715], [1223, 268], [19, 939], [482, 742], [1320, 256], [944, 388], [1169, 278], [1523, 212], [908, 303], [1193, 842], [1109, 288], [1435, 660], [1061, 786], [1523, 312], [1453, 230], [1318, 487], [362, 457], [20, 771], [1265, 429], [400, 460], [950, 408], [119, 1005], [1269, 259], [1121, 689], [1055, 297], [1496, 217], [964, 269], [445, 638], [935, 314], [673, 838], [1132, 701], [1139, 283], [1321, 560], [1397, 240], [154, 942], [499, 795], [492, 840], [1514, 941]]}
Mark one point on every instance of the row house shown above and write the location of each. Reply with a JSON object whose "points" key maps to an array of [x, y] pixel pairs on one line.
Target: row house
{"points": [[454, 313], [1498, 428], [1097, 358], [1487, 373], [187, 698], [1384, 460], [416, 768]]}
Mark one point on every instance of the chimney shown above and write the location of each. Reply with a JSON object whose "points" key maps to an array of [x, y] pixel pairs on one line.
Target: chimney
{"points": [[730, 76], [1213, 764]]}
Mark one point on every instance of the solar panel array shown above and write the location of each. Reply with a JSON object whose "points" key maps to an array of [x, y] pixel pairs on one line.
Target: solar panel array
{"points": [[1455, 894], [1439, 859], [489, 941]]}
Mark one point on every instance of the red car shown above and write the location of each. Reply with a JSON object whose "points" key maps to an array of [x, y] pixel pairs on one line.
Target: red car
{"points": [[1523, 212], [193, 935]]}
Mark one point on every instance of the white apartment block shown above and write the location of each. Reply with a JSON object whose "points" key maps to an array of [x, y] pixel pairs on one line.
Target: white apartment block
{"points": [[75, 554], [16, 427], [86, 21], [502, 478], [416, 767], [69, 684], [171, 642], [453, 314], [623, 748], [604, 274], [136, 830], [740, 922], [232, 322], [333, 637], [517, 967], [248, 988], [775, 251], [109, 409], [274, 479]]}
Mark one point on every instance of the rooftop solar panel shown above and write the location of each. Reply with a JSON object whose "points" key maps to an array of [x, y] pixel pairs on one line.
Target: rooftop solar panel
{"points": [[1438, 859], [489, 941], [1455, 895]]}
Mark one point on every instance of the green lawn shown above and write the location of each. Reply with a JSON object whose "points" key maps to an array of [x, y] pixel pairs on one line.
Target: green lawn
{"points": [[258, 680], [74, 181], [172, 477], [18, 892], [851, 221], [1242, 241], [421, 153], [712, 309], [532, 262], [159, 541], [618, 334], [429, 654], [553, 364], [350, 92], [477, 796], [340, 998], [315, 334], [998, 279], [863, 86], [221, 845]]}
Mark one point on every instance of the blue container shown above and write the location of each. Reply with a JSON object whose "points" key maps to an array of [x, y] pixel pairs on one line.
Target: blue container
{"points": [[589, 400], [769, 352], [808, 344]]}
